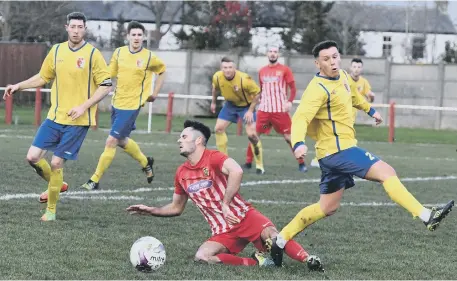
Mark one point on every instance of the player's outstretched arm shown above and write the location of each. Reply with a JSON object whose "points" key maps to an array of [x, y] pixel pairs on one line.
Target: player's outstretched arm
{"points": [[33, 82], [175, 208]]}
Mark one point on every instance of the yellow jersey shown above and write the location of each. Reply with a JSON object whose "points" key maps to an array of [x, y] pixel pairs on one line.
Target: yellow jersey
{"points": [[240, 90], [76, 74], [363, 87], [134, 73], [325, 114]]}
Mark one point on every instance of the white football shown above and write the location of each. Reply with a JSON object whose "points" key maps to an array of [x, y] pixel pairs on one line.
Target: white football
{"points": [[147, 254]]}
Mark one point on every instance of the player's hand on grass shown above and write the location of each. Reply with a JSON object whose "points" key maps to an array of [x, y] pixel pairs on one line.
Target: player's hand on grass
{"points": [[139, 209], [248, 117], [213, 107], [301, 151], [76, 112], [228, 215], [151, 98], [10, 89], [377, 116], [287, 106]]}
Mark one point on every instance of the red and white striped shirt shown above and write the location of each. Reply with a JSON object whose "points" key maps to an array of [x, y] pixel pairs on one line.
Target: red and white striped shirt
{"points": [[205, 185], [273, 80]]}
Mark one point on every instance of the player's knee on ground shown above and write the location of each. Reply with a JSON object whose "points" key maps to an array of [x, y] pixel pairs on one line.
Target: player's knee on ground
{"points": [[111, 142], [380, 172], [201, 256]]}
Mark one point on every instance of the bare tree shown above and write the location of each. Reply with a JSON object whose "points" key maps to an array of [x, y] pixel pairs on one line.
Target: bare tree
{"points": [[159, 10], [5, 29], [34, 21]]}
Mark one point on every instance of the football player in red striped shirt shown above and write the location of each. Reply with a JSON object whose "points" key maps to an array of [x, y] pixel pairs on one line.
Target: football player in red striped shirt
{"points": [[274, 107], [212, 180]]}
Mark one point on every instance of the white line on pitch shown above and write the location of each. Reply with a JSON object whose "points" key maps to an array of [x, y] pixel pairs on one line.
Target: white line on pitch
{"points": [[253, 201], [83, 194], [311, 152]]}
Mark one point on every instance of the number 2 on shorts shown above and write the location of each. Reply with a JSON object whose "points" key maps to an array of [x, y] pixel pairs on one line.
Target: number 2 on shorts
{"points": [[368, 154]]}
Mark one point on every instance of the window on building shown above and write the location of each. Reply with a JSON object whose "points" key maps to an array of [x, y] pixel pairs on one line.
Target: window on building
{"points": [[418, 47], [387, 46]]}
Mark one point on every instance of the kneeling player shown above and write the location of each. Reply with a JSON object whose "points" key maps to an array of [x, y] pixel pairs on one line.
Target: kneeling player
{"points": [[211, 180]]}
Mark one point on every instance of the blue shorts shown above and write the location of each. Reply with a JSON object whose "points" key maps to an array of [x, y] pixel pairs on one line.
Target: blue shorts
{"points": [[122, 122], [339, 168], [64, 140], [231, 112]]}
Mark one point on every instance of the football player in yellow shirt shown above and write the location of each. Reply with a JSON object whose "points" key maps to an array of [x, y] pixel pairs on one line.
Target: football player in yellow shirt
{"points": [[241, 95], [363, 87], [325, 114], [361, 83], [133, 67], [81, 79]]}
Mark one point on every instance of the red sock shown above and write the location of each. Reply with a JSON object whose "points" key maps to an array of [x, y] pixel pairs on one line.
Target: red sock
{"points": [[235, 260], [295, 251], [301, 160], [249, 154]]}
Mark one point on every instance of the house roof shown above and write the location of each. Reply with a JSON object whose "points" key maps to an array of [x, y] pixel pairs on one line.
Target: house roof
{"points": [[364, 17], [110, 10]]}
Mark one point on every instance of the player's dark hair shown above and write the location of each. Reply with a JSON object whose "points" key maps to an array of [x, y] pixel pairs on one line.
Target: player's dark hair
{"points": [[327, 44], [357, 60], [202, 128], [226, 59], [135, 24], [76, 16]]}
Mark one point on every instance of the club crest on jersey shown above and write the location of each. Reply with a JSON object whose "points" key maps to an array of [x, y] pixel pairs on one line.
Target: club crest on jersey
{"points": [[236, 88], [80, 62], [360, 89], [278, 73], [347, 87], [205, 172], [139, 63], [199, 185]]}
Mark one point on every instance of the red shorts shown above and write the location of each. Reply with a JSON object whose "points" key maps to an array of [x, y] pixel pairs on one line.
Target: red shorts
{"points": [[248, 230], [280, 121]]}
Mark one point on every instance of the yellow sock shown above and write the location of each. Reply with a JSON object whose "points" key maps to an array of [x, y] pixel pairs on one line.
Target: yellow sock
{"points": [[55, 183], [103, 163], [258, 158], [400, 195], [42, 168], [303, 219], [221, 142], [132, 149]]}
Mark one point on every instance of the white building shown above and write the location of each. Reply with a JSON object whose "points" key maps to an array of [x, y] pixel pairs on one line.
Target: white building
{"points": [[405, 34]]}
